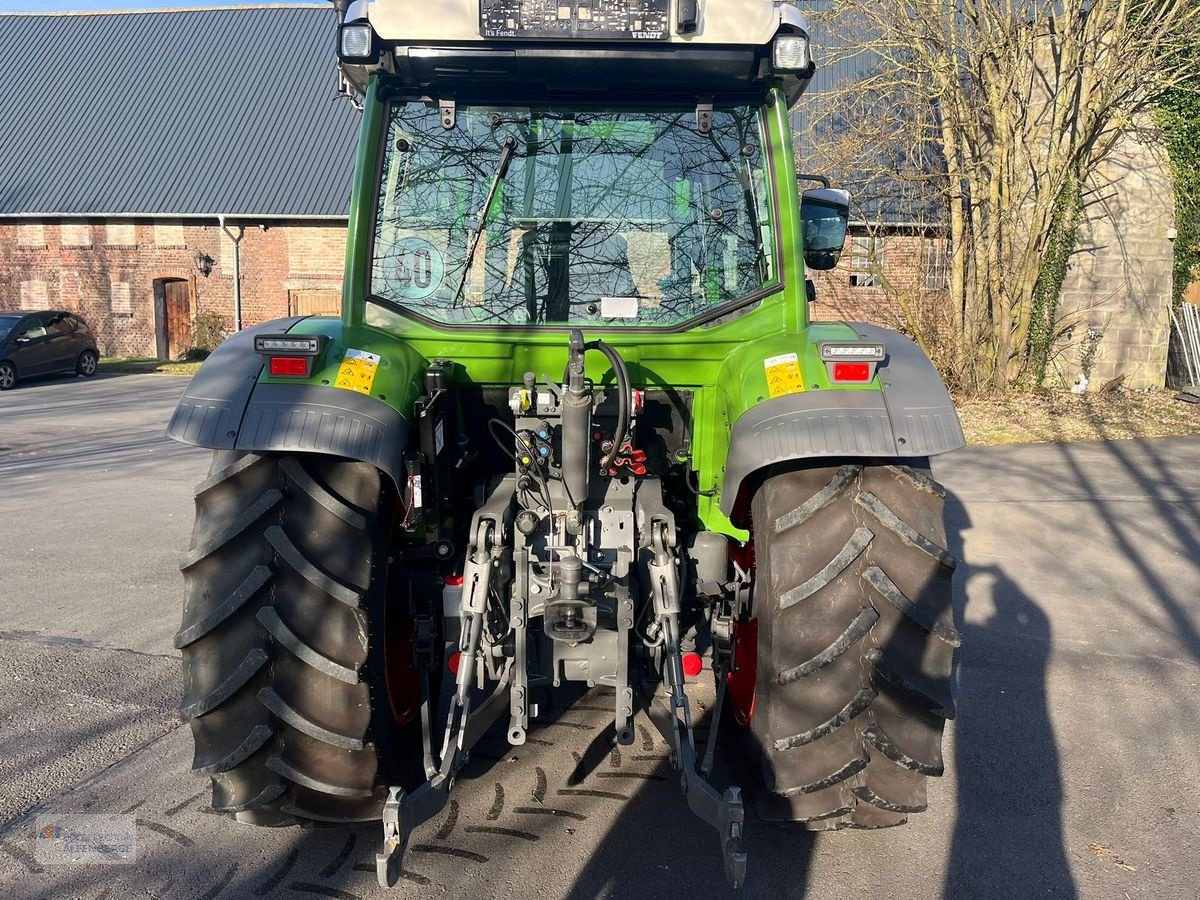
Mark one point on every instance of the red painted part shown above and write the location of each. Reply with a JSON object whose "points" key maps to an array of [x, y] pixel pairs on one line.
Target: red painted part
{"points": [[452, 662], [742, 554], [454, 580], [693, 665], [289, 366], [745, 670], [851, 371], [403, 682]]}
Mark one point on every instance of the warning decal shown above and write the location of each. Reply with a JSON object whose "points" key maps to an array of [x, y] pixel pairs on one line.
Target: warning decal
{"points": [[783, 375], [357, 372]]}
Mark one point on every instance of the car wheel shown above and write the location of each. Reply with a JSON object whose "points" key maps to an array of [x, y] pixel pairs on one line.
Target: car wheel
{"points": [[86, 366], [8, 375]]}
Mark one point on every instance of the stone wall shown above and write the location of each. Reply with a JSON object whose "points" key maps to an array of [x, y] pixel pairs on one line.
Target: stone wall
{"points": [[1118, 284], [106, 270]]}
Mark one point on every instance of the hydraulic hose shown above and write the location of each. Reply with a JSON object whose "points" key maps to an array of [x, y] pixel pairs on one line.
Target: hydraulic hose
{"points": [[624, 397]]}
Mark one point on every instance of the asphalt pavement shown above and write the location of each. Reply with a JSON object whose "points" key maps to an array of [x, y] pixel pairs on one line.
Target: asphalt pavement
{"points": [[1072, 768]]}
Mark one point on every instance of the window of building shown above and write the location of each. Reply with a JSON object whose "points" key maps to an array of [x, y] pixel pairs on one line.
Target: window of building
{"points": [[121, 299], [31, 234], [120, 234], [866, 261], [34, 295], [168, 234], [76, 234], [935, 264]]}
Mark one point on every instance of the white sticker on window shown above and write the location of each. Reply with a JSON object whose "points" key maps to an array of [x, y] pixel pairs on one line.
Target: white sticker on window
{"points": [[619, 307]]}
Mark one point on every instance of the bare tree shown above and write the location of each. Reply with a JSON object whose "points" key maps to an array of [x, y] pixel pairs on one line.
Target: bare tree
{"points": [[1018, 103]]}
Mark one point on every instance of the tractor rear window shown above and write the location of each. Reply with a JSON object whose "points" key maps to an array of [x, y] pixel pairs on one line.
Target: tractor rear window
{"points": [[588, 217]]}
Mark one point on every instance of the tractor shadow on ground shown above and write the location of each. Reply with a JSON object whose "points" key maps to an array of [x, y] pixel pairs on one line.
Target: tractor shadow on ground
{"points": [[656, 847], [1009, 829]]}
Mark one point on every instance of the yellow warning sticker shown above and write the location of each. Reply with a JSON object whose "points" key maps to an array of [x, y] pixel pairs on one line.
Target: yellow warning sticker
{"points": [[357, 372], [783, 375]]}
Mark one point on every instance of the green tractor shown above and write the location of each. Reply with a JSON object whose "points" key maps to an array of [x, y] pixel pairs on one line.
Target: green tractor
{"points": [[573, 425]]}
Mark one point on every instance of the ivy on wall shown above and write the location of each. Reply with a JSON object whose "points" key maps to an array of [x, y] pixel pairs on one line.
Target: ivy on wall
{"points": [[1178, 116], [1068, 212]]}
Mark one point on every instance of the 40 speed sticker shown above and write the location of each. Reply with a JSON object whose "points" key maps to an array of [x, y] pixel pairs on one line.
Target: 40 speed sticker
{"points": [[357, 371]]}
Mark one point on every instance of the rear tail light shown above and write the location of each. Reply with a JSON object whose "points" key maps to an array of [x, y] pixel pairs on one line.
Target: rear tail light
{"points": [[290, 355], [290, 366], [858, 371], [851, 362]]}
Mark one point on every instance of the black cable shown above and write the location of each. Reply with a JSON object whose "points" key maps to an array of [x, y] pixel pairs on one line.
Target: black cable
{"points": [[539, 478], [503, 446], [624, 397]]}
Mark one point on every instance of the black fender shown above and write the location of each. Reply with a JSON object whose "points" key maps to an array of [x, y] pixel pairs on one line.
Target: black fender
{"points": [[913, 416], [226, 408]]}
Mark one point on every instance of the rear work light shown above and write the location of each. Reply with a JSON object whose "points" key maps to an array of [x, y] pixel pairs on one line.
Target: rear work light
{"points": [[356, 43], [851, 361], [792, 53]]}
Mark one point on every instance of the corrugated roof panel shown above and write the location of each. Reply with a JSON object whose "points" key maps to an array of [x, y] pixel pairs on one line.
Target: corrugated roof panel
{"points": [[184, 112], [845, 58]]}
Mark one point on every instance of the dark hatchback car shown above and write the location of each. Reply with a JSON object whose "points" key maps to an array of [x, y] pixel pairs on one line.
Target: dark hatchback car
{"points": [[44, 343]]}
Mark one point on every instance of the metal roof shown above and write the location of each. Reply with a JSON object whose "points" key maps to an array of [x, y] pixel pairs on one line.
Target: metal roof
{"points": [[177, 113]]}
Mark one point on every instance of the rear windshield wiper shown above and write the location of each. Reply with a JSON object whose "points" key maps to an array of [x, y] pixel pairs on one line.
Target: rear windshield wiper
{"points": [[506, 155]]}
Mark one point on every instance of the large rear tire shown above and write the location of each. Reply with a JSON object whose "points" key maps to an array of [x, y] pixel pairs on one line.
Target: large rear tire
{"points": [[855, 643], [283, 640]]}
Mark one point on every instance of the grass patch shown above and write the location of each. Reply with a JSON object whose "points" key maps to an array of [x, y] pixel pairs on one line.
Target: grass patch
{"points": [[1063, 416], [140, 365]]}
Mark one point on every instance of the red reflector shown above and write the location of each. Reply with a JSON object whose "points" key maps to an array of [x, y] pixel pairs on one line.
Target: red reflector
{"points": [[851, 371], [289, 365], [454, 581], [452, 662], [693, 665]]}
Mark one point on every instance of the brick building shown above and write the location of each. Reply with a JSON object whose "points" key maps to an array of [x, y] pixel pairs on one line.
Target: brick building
{"points": [[127, 202]]}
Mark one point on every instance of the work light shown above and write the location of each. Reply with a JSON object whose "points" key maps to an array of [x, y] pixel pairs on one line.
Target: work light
{"points": [[792, 53], [356, 43]]}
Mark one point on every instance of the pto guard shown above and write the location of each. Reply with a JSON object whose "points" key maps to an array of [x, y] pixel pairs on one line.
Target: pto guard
{"points": [[913, 416], [225, 407]]}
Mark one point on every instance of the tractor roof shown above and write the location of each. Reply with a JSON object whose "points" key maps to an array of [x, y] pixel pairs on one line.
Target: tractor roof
{"points": [[640, 49], [740, 22]]}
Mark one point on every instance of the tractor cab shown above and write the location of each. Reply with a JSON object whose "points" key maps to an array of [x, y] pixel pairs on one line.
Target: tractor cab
{"points": [[600, 164]]}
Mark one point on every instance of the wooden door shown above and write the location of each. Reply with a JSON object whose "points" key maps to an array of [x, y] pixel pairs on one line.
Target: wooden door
{"points": [[178, 312], [315, 303]]}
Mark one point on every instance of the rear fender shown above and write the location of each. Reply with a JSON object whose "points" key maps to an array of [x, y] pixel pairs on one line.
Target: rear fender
{"points": [[227, 407], [913, 416]]}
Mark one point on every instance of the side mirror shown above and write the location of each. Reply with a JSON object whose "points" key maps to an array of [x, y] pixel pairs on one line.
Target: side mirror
{"points": [[825, 213]]}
